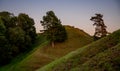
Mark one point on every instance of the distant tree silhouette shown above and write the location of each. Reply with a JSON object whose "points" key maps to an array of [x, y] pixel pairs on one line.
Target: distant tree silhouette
{"points": [[53, 28], [100, 29]]}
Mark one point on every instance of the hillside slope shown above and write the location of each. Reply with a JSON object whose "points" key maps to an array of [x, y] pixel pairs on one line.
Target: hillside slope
{"points": [[102, 55], [108, 60], [43, 55]]}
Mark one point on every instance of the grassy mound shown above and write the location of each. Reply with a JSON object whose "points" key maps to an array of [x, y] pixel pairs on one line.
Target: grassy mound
{"points": [[102, 55], [44, 53]]}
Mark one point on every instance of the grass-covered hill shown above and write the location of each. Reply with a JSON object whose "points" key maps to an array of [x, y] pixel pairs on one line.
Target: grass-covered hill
{"points": [[43, 53], [102, 55]]}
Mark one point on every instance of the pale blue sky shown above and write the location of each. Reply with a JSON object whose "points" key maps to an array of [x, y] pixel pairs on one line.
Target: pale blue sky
{"points": [[71, 12]]}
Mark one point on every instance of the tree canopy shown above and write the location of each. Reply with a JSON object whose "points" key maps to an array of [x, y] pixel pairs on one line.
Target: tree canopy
{"points": [[100, 30], [17, 34], [54, 30]]}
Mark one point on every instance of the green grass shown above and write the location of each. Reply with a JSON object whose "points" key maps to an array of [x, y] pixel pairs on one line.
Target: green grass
{"points": [[109, 60], [19, 58], [43, 53], [76, 39], [93, 57]]}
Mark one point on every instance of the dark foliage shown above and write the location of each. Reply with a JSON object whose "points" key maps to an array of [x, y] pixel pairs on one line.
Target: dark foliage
{"points": [[54, 30], [17, 34], [100, 30]]}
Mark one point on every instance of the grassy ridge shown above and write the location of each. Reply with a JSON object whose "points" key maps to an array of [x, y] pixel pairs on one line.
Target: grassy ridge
{"points": [[102, 51], [43, 55], [109, 60]]}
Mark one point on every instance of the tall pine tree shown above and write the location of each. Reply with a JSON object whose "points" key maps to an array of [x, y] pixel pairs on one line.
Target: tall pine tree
{"points": [[100, 29]]}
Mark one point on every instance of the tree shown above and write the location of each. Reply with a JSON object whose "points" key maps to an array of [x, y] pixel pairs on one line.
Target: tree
{"points": [[27, 24], [53, 28], [100, 30], [5, 52], [16, 38], [17, 34], [7, 18], [2, 27]]}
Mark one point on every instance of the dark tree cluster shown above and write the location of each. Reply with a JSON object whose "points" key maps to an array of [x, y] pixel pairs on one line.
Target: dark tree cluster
{"points": [[17, 34], [54, 30], [100, 29]]}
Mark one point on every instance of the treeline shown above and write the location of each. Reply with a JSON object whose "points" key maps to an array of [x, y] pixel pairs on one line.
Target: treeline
{"points": [[17, 34]]}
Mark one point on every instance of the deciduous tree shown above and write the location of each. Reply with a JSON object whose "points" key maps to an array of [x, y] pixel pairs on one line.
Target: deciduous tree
{"points": [[53, 28], [17, 34]]}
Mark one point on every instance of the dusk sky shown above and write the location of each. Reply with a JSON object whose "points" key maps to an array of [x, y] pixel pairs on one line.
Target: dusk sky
{"points": [[71, 12]]}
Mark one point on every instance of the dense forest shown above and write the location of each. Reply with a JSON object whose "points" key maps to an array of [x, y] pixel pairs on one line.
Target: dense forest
{"points": [[17, 34]]}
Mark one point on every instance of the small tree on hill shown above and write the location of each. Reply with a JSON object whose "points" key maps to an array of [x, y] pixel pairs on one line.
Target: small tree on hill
{"points": [[100, 29], [53, 28]]}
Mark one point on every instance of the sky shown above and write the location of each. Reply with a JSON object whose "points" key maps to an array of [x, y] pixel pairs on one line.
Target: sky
{"points": [[76, 13]]}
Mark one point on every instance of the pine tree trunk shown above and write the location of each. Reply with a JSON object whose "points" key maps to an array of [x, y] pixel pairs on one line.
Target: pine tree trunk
{"points": [[53, 44]]}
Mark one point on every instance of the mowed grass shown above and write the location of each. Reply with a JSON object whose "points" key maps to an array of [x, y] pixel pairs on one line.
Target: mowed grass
{"points": [[44, 54], [102, 55]]}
